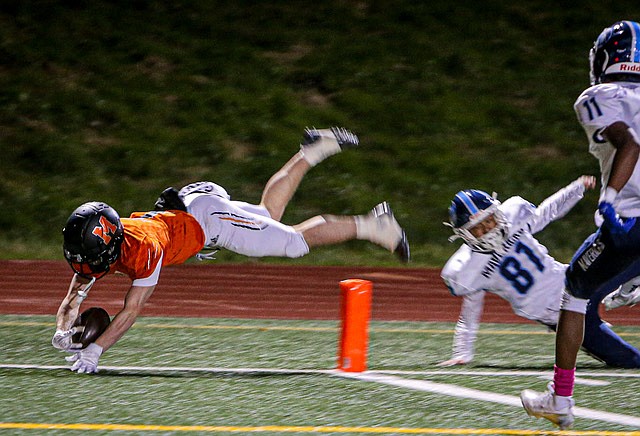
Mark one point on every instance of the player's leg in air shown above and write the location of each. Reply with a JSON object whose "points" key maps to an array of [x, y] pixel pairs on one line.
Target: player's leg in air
{"points": [[317, 145], [256, 230], [379, 226]]}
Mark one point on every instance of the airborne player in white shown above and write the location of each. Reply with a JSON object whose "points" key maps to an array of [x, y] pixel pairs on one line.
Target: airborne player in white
{"points": [[501, 256]]}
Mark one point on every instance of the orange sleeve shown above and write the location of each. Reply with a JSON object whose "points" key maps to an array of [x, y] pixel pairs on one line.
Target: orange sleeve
{"points": [[173, 235], [140, 253]]}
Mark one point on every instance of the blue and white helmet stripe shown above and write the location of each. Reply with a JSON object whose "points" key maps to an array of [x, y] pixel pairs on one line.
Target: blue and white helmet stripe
{"points": [[635, 42], [468, 202], [469, 206], [620, 45], [615, 54]]}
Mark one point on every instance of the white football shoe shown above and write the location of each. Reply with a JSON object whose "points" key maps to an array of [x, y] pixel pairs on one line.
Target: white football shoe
{"points": [[319, 144], [618, 299], [381, 227], [548, 405]]}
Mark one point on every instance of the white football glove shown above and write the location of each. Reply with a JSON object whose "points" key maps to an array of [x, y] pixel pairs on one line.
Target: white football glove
{"points": [[63, 339], [86, 361]]}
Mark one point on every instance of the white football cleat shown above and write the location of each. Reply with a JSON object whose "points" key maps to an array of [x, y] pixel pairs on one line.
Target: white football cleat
{"points": [[319, 144], [618, 299], [548, 405], [381, 227]]}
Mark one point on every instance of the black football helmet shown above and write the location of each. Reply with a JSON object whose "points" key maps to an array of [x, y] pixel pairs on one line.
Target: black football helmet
{"points": [[92, 238], [615, 55], [469, 208]]}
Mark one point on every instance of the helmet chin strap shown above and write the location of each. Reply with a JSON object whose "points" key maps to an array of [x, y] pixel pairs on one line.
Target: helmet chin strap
{"points": [[492, 240], [82, 293], [455, 235]]}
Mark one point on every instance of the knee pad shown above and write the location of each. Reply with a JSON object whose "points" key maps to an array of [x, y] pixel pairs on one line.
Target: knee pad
{"points": [[578, 293], [571, 303]]}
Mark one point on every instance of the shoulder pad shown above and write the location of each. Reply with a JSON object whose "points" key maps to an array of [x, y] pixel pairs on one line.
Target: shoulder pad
{"points": [[517, 210]]}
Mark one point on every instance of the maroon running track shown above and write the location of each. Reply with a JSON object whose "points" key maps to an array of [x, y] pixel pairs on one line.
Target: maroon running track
{"points": [[256, 291]]}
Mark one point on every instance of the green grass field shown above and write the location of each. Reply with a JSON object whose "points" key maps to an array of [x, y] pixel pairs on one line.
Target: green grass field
{"points": [[201, 376], [116, 100]]}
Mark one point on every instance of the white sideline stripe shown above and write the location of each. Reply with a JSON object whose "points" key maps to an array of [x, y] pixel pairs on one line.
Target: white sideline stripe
{"points": [[547, 375], [514, 373], [541, 374], [386, 377], [475, 394], [151, 369], [580, 381]]}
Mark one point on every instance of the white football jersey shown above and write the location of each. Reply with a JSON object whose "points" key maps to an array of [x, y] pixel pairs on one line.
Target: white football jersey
{"points": [[523, 272], [597, 108]]}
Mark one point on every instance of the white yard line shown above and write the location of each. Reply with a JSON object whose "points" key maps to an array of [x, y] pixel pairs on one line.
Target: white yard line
{"points": [[488, 373], [515, 373], [391, 378], [475, 394], [155, 369]]}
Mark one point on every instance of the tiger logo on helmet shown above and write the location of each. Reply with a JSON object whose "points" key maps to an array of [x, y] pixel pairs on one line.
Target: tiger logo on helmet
{"points": [[92, 235]]}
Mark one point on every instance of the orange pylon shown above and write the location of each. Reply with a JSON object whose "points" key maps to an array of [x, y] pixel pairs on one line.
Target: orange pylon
{"points": [[355, 312]]}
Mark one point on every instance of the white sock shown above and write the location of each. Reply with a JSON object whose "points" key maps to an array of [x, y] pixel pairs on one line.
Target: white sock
{"points": [[379, 230], [365, 227], [320, 150]]}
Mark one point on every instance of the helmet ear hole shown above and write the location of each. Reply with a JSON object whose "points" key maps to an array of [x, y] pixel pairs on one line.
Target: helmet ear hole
{"points": [[600, 59]]}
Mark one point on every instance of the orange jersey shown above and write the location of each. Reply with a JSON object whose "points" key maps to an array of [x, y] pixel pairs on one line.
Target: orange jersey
{"points": [[173, 235]]}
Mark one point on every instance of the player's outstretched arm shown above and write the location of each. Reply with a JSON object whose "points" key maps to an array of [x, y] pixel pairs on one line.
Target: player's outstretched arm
{"points": [[68, 312], [589, 182], [627, 145], [86, 360], [70, 306], [560, 203], [466, 330], [133, 304]]}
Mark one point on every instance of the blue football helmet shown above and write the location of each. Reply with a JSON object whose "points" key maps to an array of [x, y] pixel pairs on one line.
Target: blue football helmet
{"points": [[615, 55], [470, 207]]}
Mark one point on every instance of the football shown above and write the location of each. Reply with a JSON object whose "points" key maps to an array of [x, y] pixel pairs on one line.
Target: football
{"points": [[95, 321]]}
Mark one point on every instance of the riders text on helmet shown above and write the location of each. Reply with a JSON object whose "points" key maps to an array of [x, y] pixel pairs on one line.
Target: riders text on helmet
{"points": [[615, 55]]}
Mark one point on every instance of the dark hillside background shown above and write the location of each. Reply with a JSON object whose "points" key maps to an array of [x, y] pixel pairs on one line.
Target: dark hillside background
{"points": [[115, 100]]}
